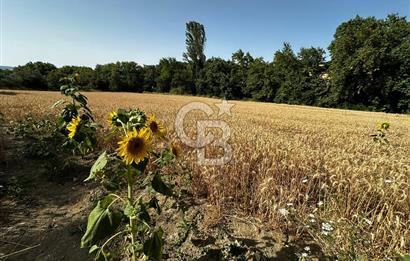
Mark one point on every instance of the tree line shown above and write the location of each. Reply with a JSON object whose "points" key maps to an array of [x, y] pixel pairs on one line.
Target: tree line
{"points": [[368, 69]]}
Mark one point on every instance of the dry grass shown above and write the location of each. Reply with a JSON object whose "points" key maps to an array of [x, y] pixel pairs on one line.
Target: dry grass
{"points": [[293, 158]]}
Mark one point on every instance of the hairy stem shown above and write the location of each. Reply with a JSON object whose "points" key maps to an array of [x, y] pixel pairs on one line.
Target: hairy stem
{"points": [[132, 224]]}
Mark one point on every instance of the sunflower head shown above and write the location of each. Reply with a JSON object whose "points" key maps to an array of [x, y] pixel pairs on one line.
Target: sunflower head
{"points": [[156, 127], [134, 118], [73, 126], [175, 150], [112, 118], [383, 126], [135, 146]]}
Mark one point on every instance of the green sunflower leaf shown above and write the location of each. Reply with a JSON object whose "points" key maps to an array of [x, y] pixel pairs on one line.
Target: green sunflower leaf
{"points": [[98, 166], [403, 257], [154, 203], [153, 247], [101, 223], [159, 186]]}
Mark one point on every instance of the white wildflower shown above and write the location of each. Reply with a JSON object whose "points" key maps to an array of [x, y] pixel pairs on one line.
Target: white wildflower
{"points": [[283, 211], [326, 228], [368, 221], [320, 203]]}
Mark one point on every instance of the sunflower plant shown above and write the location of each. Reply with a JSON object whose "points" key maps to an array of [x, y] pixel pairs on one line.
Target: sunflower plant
{"points": [[76, 121], [381, 133], [143, 152]]}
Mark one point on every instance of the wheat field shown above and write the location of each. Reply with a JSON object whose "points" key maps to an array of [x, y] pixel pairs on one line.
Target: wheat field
{"points": [[310, 172]]}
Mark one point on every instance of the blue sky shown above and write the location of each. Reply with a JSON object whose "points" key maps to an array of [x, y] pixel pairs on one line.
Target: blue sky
{"points": [[89, 32]]}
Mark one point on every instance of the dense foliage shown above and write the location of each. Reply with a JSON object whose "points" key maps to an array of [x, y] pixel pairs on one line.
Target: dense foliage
{"points": [[368, 69], [370, 63]]}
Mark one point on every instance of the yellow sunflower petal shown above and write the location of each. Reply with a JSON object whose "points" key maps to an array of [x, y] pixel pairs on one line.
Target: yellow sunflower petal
{"points": [[72, 126], [111, 116]]}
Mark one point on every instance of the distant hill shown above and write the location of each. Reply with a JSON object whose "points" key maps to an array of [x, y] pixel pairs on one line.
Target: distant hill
{"points": [[6, 67]]}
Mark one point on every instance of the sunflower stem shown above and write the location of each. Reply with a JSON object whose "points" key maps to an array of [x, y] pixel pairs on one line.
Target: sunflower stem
{"points": [[124, 128], [132, 224]]}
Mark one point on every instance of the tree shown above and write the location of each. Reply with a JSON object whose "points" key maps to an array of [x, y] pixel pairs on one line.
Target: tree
{"points": [[85, 79], [241, 62], [165, 68], [215, 79], [314, 86], [32, 75], [103, 76], [255, 79], [195, 45], [126, 76], [367, 54], [396, 95], [120, 76], [271, 84], [286, 68], [182, 78], [6, 81], [150, 74], [398, 85]]}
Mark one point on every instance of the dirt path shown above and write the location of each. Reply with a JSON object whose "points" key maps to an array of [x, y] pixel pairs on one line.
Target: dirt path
{"points": [[36, 212]]}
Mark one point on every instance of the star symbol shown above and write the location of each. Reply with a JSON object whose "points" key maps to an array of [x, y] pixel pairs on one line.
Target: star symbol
{"points": [[224, 107]]}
